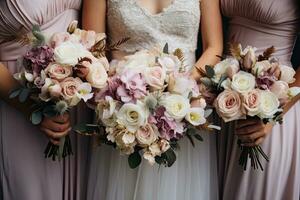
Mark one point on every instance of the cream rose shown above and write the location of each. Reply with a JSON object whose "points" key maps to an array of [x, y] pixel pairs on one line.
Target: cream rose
{"points": [[132, 116], [251, 102], [155, 77], [97, 75], [147, 134], [68, 53], [269, 105], [170, 63], [176, 106], [293, 91], [243, 82], [70, 88], [287, 74], [280, 89], [228, 106], [59, 72], [229, 66]]}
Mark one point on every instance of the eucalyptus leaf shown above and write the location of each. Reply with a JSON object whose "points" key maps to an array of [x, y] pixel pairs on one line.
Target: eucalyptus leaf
{"points": [[190, 137], [134, 160], [207, 113], [15, 93], [222, 79], [198, 137], [206, 81], [170, 157], [49, 111], [87, 128], [210, 72], [24, 94], [166, 49], [36, 117]]}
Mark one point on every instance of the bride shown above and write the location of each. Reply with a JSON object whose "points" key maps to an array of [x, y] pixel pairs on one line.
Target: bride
{"points": [[148, 23]]}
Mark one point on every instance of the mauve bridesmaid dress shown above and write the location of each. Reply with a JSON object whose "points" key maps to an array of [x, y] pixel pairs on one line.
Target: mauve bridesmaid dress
{"points": [[25, 173], [263, 23]]}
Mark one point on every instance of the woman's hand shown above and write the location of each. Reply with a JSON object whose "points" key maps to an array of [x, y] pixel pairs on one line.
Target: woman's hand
{"points": [[56, 127], [252, 132]]}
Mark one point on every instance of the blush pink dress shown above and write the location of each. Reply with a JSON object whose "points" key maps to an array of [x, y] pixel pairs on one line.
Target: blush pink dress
{"points": [[263, 23], [24, 172]]}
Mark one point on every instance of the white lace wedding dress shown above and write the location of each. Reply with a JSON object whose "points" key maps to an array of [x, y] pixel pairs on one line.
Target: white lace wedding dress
{"points": [[194, 174]]}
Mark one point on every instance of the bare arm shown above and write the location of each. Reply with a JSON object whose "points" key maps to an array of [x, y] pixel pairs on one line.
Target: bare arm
{"points": [[212, 36], [93, 15]]}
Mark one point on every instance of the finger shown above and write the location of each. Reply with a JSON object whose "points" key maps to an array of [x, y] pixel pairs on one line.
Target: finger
{"points": [[248, 129], [55, 127], [55, 135], [256, 143], [61, 118], [247, 122], [251, 137]]}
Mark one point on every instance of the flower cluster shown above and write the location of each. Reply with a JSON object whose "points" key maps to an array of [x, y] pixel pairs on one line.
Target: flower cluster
{"points": [[253, 86], [61, 72], [145, 105]]}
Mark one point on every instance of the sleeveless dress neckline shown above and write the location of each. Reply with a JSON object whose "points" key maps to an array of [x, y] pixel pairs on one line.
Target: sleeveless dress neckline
{"points": [[158, 14]]}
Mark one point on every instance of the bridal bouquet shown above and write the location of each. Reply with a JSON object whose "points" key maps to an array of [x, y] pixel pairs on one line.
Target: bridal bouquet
{"points": [[246, 85], [59, 73], [146, 108]]}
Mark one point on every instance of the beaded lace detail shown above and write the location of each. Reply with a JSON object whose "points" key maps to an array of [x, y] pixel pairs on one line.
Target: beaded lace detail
{"points": [[177, 25]]}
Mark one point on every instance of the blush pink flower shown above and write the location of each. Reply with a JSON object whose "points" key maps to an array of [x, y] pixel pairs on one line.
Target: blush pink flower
{"points": [[58, 38]]}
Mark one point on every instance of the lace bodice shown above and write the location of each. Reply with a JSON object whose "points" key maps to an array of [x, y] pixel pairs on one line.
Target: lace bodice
{"points": [[177, 25]]}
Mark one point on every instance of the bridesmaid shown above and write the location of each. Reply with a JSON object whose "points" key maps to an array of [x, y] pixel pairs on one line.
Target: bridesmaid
{"points": [[262, 23], [24, 172]]}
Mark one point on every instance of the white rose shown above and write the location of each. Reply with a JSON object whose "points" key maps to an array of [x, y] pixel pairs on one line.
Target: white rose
{"points": [[223, 68], [287, 74], [293, 91], [176, 106], [170, 63], [243, 82], [132, 116], [196, 116], [269, 104], [68, 53], [97, 75], [147, 134], [182, 85]]}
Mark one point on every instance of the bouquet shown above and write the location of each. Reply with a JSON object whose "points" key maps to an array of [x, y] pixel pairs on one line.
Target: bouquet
{"points": [[146, 108], [245, 86], [60, 72]]}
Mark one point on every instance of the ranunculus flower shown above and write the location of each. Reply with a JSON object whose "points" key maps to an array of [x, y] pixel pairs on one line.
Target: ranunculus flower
{"points": [[132, 116], [70, 88], [69, 53], [243, 82], [251, 102], [170, 63], [196, 116], [269, 105], [97, 75], [58, 72], [280, 89], [287, 74], [228, 106], [155, 77], [176, 106], [146, 135]]}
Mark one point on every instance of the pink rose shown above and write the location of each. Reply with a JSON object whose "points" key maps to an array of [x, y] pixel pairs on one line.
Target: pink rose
{"points": [[280, 89], [58, 38], [251, 102], [59, 72], [228, 106], [155, 77], [69, 89], [147, 135]]}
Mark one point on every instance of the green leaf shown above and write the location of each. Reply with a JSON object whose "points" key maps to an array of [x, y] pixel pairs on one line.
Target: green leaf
{"points": [[15, 93], [210, 72], [36, 117], [198, 137], [222, 79], [49, 111], [207, 82], [87, 128], [191, 139], [166, 49], [134, 160], [24, 94], [170, 157]]}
